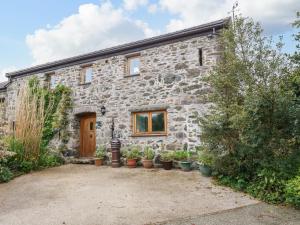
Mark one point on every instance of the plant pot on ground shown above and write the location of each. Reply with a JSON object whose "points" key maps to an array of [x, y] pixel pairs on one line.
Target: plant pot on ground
{"points": [[100, 156], [205, 162], [132, 156], [166, 159], [205, 170], [148, 158], [184, 159]]}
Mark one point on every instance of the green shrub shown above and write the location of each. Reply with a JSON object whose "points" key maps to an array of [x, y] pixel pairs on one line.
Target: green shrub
{"points": [[15, 162], [101, 152], [252, 128], [49, 160], [167, 156], [292, 191], [181, 155], [268, 186], [205, 157], [238, 183], [131, 152], [148, 153], [5, 174], [27, 166]]}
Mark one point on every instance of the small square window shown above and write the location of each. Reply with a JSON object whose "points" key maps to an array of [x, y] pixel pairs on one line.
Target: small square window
{"points": [[86, 75], [2, 100], [133, 65]]}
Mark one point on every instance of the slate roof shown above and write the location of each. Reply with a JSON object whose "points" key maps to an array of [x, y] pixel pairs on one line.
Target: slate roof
{"points": [[203, 29], [3, 85]]}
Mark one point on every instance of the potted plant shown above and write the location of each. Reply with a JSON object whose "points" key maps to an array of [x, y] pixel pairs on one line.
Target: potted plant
{"points": [[185, 162], [205, 162], [132, 156], [148, 157], [100, 155], [166, 159], [177, 157]]}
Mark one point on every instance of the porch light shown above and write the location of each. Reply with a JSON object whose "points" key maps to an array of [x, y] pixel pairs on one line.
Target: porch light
{"points": [[103, 110]]}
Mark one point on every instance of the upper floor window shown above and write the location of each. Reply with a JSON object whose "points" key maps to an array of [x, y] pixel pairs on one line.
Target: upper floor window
{"points": [[2, 100], [86, 75], [150, 123], [133, 65], [51, 80], [200, 51]]}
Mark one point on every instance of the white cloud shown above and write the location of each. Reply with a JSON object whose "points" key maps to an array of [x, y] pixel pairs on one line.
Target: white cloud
{"points": [[94, 27], [275, 15], [134, 4], [152, 8], [3, 71]]}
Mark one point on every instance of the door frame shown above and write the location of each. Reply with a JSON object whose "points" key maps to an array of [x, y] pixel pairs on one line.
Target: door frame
{"points": [[81, 130]]}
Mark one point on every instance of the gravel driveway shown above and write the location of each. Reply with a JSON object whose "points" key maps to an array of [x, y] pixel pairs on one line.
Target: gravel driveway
{"points": [[89, 195]]}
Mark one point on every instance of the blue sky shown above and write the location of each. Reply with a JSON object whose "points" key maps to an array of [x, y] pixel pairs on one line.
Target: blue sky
{"points": [[35, 31]]}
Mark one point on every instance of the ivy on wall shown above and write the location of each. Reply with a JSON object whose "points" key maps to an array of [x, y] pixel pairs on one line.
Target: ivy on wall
{"points": [[58, 103]]}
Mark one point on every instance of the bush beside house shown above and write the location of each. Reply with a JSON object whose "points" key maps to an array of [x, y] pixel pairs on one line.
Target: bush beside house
{"points": [[253, 127], [40, 114]]}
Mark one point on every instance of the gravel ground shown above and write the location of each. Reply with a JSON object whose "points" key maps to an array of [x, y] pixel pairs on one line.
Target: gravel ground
{"points": [[89, 195]]}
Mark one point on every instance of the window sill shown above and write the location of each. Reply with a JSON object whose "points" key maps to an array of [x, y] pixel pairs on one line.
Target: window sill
{"points": [[133, 75], [83, 84], [149, 135]]}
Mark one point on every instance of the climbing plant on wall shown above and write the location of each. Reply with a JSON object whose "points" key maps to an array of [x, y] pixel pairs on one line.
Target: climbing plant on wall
{"points": [[58, 103]]}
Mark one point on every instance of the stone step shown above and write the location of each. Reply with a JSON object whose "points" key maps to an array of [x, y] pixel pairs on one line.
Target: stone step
{"points": [[83, 160]]}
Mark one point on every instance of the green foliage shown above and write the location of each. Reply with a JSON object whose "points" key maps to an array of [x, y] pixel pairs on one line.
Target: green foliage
{"points": [[18, 162], [181, 155], [48, 160], [167, 156], [101, 152], [58, 102], [56, 118], [292, 191], [148, 153], [5, 174], [205, 157], [133, 154], [268, 185], [57, 121], [253, 128]]}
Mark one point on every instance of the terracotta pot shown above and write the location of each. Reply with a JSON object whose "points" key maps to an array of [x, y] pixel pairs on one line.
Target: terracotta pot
{"points": [[167, 165], [148, 164], [131, 163], [98, 162]]}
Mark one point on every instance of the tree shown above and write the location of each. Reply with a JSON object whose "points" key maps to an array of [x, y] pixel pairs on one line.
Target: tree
{"points": [[252, 128]]}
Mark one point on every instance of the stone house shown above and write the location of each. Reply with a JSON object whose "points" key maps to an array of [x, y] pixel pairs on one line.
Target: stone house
{"points": [[152, 89]]}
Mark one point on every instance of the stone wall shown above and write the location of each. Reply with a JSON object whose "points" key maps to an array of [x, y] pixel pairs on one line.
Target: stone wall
{"points": [[3, 117], [170, 79]]}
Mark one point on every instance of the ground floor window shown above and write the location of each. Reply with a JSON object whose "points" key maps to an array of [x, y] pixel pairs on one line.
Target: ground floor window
{"points": [[150, 123]]}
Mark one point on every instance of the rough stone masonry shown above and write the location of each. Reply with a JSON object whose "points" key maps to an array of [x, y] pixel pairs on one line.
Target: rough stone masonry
{"points": [[170, 78]]}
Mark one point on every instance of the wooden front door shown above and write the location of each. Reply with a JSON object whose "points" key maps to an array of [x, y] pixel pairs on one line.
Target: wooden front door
{"points": [[88, 135]]}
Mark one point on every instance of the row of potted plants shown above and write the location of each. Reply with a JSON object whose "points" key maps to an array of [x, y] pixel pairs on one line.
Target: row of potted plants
{"points": [[183, 159]]}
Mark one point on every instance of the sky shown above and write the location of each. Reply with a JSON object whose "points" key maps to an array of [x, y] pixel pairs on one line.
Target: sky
{"points": [[35, 31]]}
